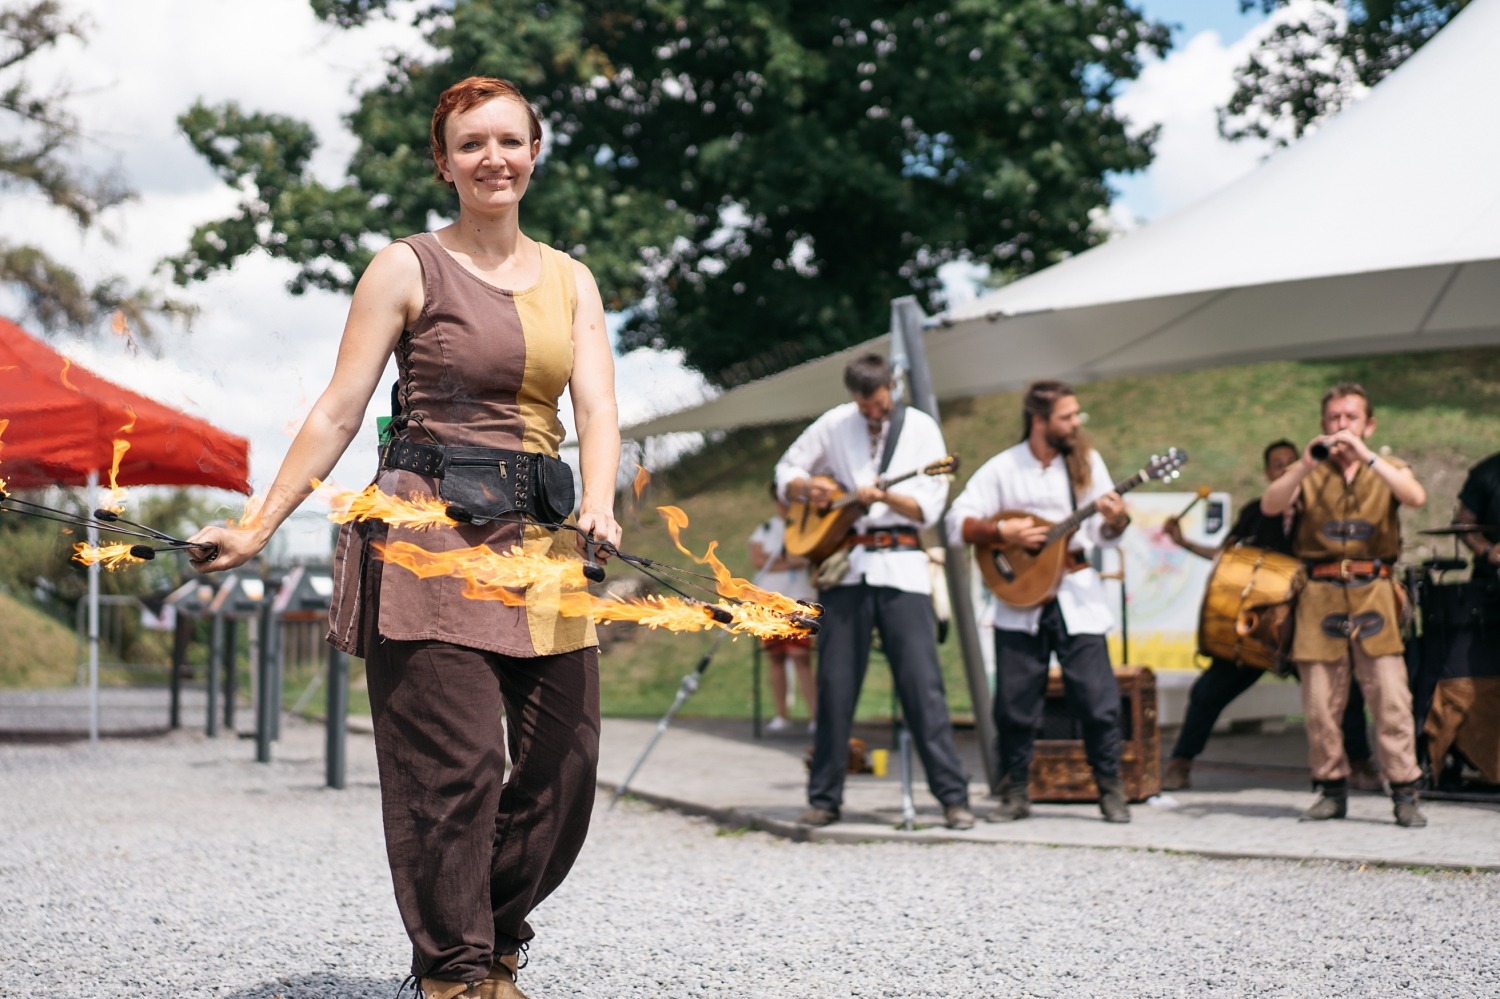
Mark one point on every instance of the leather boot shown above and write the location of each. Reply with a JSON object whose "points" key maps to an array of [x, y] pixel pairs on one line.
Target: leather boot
{"points": [[1112, 799], [1179, 774], [1407, 813], [1015, 802], [1332, 803], [436, 988]]}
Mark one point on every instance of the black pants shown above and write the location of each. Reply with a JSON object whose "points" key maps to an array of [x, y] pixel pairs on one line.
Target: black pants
{"points": [[1223, 681], [908, 633], [472, 852], [1089, 683]]}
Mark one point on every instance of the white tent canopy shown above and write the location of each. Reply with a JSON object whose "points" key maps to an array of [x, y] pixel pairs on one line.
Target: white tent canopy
{"points": [[1378, 233]]}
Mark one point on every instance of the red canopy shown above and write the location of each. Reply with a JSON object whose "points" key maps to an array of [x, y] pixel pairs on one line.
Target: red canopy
{"points": [[64, 421]]}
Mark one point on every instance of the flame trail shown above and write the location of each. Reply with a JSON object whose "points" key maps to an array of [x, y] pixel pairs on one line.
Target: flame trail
{"points": [[3, 425], [64, 376], [120, 326], [110, 557], [517, 578], [729, 585], [506, 577], [418, 512], [642, 480], [117, 494]]}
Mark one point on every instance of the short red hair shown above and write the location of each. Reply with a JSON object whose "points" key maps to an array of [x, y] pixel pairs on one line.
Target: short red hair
{"points": [[465, 95]]}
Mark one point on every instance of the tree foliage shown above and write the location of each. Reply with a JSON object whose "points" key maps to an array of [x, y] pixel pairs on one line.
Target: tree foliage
{"points": [[1311, 66], [750, 181], [39, 146]]}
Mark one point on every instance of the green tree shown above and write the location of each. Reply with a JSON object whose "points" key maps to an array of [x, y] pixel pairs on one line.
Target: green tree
{"points": [[1310, 67], [750, 181], [39, 156]]}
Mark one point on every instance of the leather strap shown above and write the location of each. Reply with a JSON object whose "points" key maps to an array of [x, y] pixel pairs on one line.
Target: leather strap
{"points": [[900, 539], [1351, 568]]}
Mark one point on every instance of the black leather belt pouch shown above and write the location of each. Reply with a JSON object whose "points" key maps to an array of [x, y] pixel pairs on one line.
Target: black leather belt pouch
{"points": [[489, 483]]}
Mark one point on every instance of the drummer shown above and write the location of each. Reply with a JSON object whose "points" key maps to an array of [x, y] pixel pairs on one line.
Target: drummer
{"points": [[1224, 680], [1479, 504], [1348, 615]]}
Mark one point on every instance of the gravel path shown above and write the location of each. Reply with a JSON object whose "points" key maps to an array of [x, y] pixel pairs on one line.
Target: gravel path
{"points": [[177, 867]]}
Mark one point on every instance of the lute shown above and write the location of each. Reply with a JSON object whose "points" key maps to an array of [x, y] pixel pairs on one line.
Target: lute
{"points": [[815, 532], [1029, 579]]}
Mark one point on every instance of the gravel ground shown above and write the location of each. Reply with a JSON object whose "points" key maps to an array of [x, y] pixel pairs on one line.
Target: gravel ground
{"points": [[178, 867]]}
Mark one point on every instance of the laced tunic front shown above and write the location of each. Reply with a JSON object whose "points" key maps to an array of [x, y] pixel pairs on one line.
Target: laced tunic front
{"points": [[481, 367]]}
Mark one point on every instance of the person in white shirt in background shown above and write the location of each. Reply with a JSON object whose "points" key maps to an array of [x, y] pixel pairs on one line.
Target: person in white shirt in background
{"points": [[786, 574], [1049, 474], [887, 585]]}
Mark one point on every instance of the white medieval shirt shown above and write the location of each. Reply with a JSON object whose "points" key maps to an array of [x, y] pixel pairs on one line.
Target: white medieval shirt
{"points": [[838, 444], [1015, 479]]}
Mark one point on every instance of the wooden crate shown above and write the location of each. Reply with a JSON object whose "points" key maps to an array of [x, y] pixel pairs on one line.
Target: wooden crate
{"points": [[1060, 770]]}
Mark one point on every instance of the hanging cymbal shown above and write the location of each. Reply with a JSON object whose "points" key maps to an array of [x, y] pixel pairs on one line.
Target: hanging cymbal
{"points": [[1459, 529]]}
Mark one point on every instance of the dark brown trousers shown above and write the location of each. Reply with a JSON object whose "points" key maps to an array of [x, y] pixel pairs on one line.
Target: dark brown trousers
{"points": [[473, 852]]}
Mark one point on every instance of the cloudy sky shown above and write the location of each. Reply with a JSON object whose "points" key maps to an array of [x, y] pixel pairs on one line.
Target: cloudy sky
{"points": [[256, 357]]}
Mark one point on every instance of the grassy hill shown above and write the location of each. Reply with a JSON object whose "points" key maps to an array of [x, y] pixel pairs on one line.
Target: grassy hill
{"points": [[1440, 411], [35, 650]]}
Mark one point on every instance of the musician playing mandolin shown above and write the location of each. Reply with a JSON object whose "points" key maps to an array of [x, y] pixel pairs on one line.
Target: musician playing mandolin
{"points": [[1009, 502], [885, 586]]}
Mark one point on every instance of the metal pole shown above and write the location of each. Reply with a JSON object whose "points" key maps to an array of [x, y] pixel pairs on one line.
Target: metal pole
{"points": [[338, 716], [755, 689], [215, 657], [907, 322], [231, 669], [94, 570], [182, 631], [265, 700], [908, 803]]}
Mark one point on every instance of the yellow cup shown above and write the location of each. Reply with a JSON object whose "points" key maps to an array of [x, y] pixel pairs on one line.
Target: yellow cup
{"points": [[879, 759]]}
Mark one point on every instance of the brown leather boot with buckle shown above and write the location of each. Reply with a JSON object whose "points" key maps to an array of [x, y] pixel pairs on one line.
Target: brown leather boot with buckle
{"points": [[500, 983], [436, 988]]}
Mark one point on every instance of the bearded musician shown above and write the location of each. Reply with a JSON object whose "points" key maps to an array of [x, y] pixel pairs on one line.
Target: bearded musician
{"points": [[1049, 474]]}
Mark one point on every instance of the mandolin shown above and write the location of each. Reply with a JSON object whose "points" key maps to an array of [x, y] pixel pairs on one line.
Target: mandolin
{"points": [[814, 533], [1029, 579]]}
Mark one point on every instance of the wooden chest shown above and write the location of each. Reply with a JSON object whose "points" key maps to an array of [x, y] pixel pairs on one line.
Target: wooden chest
{"points": [[1060, 770]]}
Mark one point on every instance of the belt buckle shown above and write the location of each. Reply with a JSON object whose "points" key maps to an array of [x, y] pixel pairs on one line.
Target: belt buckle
{"points": [[881, 540], [1345, 571]]}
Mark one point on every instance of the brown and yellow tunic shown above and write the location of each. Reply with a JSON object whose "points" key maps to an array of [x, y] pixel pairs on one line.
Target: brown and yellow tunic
{"points": [[1347, 519], [480, 367]]}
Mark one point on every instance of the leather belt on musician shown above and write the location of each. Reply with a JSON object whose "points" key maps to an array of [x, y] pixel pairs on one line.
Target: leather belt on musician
{"points": [[1347, 569], [894, 539]]}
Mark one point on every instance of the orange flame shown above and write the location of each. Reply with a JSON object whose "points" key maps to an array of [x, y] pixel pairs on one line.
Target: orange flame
{"points": [[3, 425], [112, 557], [729, 585], [417, 512], [516, 577], [117, 494], [642, 480], [491, 575], [120, 326], [249, 517], [67, 384]]}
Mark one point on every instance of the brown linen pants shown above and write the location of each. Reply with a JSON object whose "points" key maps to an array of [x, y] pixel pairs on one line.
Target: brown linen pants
{"points": [[472, 852], [1325, 690]]}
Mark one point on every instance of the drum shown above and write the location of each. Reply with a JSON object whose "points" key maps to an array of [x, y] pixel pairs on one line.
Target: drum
{"points": [[1248, 608]]}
